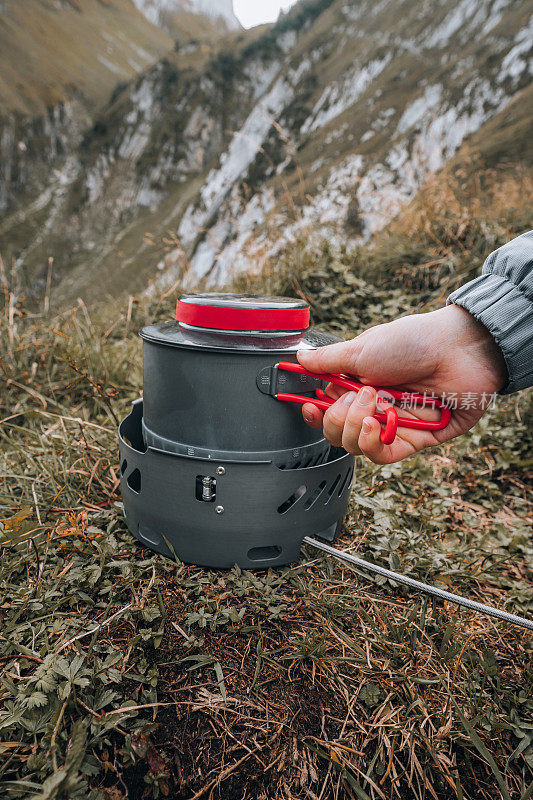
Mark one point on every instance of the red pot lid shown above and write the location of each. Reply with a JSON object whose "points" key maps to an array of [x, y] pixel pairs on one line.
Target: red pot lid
{"points": [[242, 312]]}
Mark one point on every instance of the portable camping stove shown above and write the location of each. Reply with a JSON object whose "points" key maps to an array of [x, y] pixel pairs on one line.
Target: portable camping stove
{"points": [[214, 469]]}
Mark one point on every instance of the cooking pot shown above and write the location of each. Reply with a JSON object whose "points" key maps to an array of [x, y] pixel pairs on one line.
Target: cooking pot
{"points": [[215, 469]]}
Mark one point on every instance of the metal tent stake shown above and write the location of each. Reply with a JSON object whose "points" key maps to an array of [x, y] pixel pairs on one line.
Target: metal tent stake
{"points": [[422, 587]]}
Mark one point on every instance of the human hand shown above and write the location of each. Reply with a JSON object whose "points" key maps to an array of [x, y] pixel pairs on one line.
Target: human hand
{"points": [[444, 351]]}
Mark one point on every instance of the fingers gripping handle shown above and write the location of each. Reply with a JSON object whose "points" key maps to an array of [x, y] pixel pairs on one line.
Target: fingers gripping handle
{"points": [[389, 418]]}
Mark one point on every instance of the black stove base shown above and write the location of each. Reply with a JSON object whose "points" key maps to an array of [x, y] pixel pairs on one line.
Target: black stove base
{"points": [[218, 513]]}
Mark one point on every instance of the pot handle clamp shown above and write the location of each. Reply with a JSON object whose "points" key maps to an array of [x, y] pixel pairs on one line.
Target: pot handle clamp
{"points": [[389, 418]]}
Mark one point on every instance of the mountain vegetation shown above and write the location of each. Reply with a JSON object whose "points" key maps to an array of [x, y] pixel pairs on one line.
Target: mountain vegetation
{"points": [[226, 150]]}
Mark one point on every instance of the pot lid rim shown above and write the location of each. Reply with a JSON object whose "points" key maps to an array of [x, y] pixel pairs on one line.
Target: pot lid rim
{"points": [[172, 334]]}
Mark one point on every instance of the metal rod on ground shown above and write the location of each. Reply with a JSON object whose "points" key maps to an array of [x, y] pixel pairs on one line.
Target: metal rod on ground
{"points": [[422, 587]]}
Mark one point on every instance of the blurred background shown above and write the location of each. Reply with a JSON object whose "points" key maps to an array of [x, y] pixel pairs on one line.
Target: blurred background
{"points": [[149, 142]]}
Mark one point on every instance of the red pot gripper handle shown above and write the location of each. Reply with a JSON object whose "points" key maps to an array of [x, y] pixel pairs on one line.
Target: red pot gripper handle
{"points": [[389, 418]]}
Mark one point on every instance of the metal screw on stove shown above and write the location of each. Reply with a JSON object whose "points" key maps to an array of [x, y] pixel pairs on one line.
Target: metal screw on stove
{"points": [[219, 509], [221, 471], [208, 489]]}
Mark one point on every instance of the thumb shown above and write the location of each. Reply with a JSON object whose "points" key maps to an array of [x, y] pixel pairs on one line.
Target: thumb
{"points": [[398, 353], [335, 358]]}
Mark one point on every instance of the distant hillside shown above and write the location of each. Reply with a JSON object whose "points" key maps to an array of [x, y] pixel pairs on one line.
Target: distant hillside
{"points": [[171, 14], [324, 123], [51, 51], [59, 63]]}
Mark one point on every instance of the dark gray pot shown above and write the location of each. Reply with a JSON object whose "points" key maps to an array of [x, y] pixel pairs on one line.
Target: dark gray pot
{"points": [[215, 470]]}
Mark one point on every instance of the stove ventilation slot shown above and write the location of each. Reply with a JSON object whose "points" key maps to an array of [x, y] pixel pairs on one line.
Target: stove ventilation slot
{"points": [[292, 500]]}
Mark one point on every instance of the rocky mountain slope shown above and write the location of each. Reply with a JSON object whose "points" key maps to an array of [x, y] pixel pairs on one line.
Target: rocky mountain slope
{"points": [[59, 62], [168, 14], [322, 124]]}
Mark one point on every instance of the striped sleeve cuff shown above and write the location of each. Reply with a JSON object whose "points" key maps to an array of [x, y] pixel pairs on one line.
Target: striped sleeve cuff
{"points": [[508, 314]]}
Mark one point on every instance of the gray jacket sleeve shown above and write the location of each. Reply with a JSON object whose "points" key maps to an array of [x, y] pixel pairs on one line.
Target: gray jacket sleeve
{"points": [[502, 299]]}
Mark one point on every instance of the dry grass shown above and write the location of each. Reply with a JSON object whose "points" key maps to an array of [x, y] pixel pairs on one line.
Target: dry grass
{"points": [[437, 242], [126, 675]]}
